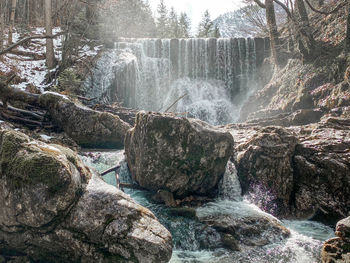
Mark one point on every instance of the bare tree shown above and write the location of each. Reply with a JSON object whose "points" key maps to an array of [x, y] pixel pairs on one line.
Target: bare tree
{"points": [[12, 20], [274, 35], [2, 25], [50, 55], [273, 31], [347, 39]]}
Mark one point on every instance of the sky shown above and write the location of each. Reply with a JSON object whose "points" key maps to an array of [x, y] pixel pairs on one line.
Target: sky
{"points": [[196, 8]]}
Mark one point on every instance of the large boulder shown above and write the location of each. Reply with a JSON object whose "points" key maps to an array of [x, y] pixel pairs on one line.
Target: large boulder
{"points": [[55, 209], [303, 171], [86, 127], [322, 169], [264, 163], [179, 155], [337, 250]]}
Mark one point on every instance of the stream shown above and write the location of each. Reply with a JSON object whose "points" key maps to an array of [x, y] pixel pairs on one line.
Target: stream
{"points": [[194, 242]]}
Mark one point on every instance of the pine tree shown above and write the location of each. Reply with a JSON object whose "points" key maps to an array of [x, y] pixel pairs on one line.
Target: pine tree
{"points": [[162, 20], [184, 26], [173, 24], [206, 26], [216, 32]]}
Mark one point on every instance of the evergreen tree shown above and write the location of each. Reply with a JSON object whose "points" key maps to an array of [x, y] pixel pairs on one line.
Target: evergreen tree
{"points": [[162, 20], [206, 26], [128, 18], [173, 24], [216, 32], [184, 26]]}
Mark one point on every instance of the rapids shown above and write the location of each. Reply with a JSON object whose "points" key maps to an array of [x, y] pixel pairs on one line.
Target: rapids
{"points": [[303, 245]]}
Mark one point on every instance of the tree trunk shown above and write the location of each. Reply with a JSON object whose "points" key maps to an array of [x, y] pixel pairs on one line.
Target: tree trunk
{"points": [[274, 37], [347, 39], [12, 21], [50, 55], [2, 25], [307, 45]]}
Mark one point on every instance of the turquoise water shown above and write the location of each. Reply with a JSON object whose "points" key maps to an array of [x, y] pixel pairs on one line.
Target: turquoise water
{"points": [[303, 245]]}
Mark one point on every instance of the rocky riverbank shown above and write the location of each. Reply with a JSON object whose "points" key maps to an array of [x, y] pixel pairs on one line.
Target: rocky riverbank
{"points": [[55, 209]]}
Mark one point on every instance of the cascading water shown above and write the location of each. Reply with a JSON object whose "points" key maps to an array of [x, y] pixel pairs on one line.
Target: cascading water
{"points": [[196, 242], [212, 75]]}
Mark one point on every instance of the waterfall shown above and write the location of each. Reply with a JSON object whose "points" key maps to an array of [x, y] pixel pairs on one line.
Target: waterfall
{"points": [[215, 74]]}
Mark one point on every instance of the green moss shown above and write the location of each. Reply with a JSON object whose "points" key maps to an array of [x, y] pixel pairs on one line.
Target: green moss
{"points": [[69, 81], [33, 168]]}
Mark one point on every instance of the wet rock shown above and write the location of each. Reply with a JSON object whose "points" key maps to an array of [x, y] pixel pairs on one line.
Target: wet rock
{"points": [[245, 226], [87, 127], [165, 197], [303, 170], [55, 210], [322, 170], [107, 216], [337, 250], [264, 160], [343, 229], [179, 155], [187, 212], [250, 230], [230, 242]]}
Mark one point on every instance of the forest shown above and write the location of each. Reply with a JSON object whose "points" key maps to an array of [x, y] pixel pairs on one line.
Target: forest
{"points": [[137, 131]]}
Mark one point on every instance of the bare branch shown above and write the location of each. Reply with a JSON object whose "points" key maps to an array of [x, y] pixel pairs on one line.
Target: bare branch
{"points": [[259, 3], [24, 40], [285, 8], [341, 5]]}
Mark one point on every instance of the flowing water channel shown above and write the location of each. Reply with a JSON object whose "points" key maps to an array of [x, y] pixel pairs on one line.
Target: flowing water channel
{"points": [[195, 242]]}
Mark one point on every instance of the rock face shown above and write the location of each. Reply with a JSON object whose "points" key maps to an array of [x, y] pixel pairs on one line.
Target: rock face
{"points": [[264, 161], [337, 250], [301, 171], [322, 169], [179, 155], [87, 127], [55, 210]]}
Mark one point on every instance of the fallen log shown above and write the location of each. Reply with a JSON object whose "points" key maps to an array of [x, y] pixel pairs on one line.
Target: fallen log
{"points": [[87, 127], [8, 93], [112, 169], [24, 112], [24, 40]]}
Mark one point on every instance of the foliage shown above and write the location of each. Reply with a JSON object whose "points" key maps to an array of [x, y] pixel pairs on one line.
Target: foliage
{"points": [[184, 26], [248, 21], [69, 82], [174, 31], [162, 20], [128, 18], [206, 26]]}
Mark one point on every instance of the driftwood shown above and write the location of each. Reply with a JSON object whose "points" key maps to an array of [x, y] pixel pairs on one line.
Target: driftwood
{"points": [[8, 93], [34, 118], [86, 99], [176, 102], [112, 169], [35, 115], [120, 185], [24, 40]]}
